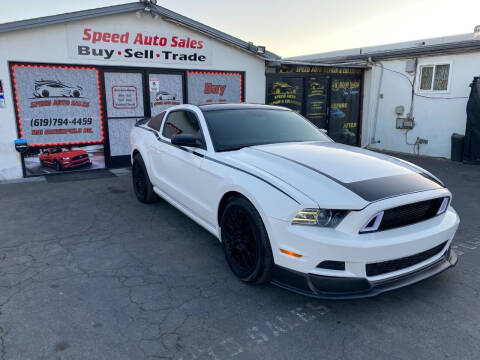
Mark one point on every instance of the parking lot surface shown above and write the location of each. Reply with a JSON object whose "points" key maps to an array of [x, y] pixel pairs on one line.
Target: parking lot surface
{"points": [[88, 272]]}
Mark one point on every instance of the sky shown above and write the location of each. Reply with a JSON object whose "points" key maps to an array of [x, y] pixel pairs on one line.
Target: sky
{"points": [[298, 27]]}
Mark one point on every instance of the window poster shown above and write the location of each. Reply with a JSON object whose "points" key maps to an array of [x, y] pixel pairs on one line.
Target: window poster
{"points": [[316, 101], [214, 87], [59, 114], [344, 110], [124, 94], [165, 90], [285, 91]]}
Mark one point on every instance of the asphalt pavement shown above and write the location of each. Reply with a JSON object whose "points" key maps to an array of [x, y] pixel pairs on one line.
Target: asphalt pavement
{"points": [[88, 272]]}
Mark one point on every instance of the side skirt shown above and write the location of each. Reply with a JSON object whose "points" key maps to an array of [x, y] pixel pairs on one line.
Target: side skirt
{"points": [[187, 212]]}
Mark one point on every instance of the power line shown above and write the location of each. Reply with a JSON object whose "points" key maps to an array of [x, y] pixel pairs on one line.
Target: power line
{"points": [[420, 95]]}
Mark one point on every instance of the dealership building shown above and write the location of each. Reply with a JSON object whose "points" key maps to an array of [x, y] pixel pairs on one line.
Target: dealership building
{"points": [[73, 85]]}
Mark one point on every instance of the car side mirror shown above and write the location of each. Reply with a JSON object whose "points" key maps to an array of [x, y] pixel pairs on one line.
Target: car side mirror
{"points": [[187, 140]]}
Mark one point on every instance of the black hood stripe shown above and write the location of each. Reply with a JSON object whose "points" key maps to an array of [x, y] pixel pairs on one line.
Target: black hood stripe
{"points": [[378, 188], [391, 186]]}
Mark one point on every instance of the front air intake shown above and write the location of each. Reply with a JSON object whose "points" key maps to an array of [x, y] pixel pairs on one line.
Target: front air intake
{"points": [[380, 268]]}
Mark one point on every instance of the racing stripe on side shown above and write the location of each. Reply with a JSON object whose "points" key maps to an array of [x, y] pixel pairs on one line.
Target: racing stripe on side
{"points": [[256, 176], [379, 188]]}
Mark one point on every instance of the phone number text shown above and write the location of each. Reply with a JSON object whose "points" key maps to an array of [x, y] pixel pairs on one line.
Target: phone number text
{"points": [[60, 122]]}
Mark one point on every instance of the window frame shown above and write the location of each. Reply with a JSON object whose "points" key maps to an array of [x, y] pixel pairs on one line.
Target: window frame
{"points": [[165, 120], [434, 65]]}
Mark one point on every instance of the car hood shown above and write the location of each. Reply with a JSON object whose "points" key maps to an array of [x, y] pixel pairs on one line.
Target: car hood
{"points": [[336, 175], [72, 153]]}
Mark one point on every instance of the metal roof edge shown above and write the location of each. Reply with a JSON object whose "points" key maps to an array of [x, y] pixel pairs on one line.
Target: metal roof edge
{"points": [[362, 64], [446, 48]]}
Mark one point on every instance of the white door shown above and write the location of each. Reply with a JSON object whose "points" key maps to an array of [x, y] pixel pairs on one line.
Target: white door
{"points": [[176, 168]]}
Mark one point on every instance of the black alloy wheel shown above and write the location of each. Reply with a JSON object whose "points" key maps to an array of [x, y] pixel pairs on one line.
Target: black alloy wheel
{"points": [[142, 186], [45, 93], [245, 242]]}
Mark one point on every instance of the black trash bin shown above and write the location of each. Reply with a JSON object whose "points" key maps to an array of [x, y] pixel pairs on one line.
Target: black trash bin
{"points": [[457, 147]]}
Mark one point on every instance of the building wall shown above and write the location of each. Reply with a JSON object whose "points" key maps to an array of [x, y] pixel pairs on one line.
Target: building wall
{"points": [[435, 118], [49, 45]]}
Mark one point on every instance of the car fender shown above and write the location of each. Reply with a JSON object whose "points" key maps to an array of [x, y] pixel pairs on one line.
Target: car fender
{"points": [[266, 199]]}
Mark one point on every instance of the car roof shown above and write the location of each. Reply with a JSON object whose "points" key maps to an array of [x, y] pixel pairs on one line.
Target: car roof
{"points": [[238, 106]]}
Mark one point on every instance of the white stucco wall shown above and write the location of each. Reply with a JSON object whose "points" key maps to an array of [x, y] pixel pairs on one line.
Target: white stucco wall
{"points": [[49, 45], [435, 119]]}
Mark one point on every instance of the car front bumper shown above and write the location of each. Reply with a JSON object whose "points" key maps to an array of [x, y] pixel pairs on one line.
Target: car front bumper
{"points": [[331, 287], [76, 163], [368, 264]]}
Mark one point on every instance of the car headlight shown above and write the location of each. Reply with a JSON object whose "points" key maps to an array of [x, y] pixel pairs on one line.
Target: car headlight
{"points": [[319, 217]]}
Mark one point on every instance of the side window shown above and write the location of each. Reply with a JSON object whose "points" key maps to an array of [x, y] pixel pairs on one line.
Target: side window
{"points": [[434, 77], [181, 122], [156, 122]]}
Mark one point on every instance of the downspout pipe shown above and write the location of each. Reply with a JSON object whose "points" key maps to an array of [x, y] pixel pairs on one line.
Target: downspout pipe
{"points": [[373, 139]]}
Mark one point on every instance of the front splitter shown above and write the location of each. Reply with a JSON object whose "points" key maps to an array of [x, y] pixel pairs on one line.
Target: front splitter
{"points": [[331, 287]]}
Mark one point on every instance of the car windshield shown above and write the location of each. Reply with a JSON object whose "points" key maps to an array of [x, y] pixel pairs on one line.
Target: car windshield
{"points": [[232, 129]]}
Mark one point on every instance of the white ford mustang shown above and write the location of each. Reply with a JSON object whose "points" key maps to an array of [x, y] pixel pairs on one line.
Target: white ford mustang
{"points": [[290, 205]]}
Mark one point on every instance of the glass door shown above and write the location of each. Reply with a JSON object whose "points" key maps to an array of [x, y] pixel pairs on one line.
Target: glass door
{"points": [[344, 111], [124, 106]]}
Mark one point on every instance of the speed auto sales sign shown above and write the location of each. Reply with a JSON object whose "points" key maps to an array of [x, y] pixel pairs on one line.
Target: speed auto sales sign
{"points": [[57, 105], [118, 44]]}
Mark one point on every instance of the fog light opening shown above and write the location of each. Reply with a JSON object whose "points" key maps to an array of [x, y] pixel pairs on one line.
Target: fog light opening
{"points": [[332, 265]]}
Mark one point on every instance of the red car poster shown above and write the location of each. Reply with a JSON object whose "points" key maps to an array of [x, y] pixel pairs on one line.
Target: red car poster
{"points": [[59, 113], [60, 159]]}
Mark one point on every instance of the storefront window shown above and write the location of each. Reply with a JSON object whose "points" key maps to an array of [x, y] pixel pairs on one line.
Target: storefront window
{"points": [[286, 91], [213, 87], [165, 90], [59, 114]]}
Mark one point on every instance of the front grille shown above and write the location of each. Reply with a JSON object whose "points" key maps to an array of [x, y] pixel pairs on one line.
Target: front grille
{"points": [[410, 214], [380, 268]]}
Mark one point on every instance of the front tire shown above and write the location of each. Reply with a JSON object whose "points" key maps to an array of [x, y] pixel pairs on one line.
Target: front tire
{"points": [[142, 186], [245, 242], [58, 166]]}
